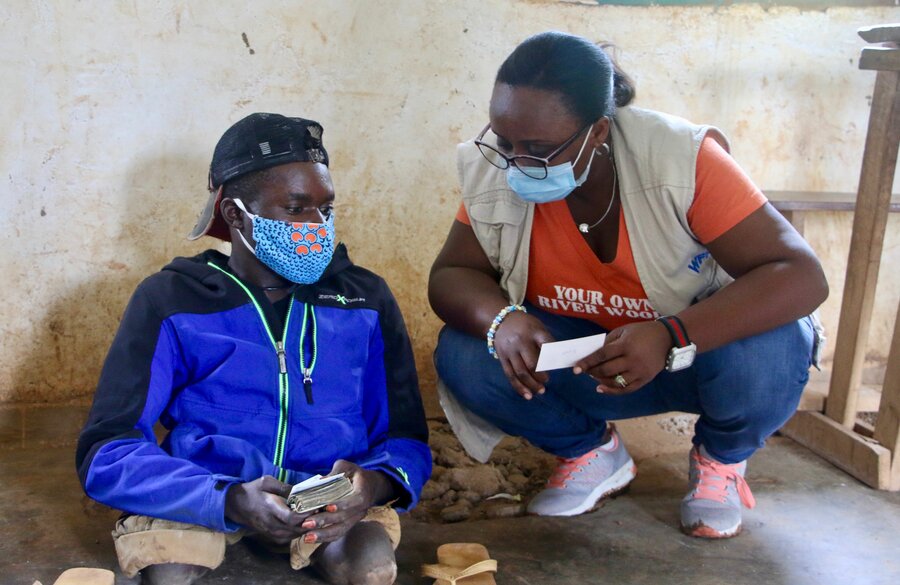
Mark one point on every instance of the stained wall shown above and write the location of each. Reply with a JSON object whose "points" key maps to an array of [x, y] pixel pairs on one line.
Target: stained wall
{"points": [[110, 112]]}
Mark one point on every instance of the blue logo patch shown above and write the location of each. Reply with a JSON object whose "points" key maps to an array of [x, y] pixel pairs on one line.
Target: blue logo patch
{"points": [[697, 262]]}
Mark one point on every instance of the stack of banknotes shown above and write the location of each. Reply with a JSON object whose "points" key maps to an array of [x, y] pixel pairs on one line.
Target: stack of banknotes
{"points": [[317, 492]]}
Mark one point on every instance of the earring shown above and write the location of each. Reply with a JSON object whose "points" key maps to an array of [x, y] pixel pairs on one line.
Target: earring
{"points": [[603, 150]]}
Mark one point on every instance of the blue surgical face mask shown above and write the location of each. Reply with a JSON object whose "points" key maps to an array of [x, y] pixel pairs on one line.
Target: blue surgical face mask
{"points": [[298, 251], [559, 182]]}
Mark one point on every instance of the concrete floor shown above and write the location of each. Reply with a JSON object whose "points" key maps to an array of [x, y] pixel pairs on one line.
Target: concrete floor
{"points": [[813, 525]]}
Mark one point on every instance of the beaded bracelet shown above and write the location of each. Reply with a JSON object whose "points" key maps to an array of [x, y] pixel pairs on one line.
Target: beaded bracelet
{"points": [[496, 323]]}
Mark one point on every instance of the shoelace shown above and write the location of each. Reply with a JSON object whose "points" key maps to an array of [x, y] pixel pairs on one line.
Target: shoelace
{"points": [[712, 483], [566, 467]]}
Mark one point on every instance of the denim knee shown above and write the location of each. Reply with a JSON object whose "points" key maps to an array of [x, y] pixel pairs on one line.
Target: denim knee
{"points": [[461, 359], [477, 381], [749, 388]]}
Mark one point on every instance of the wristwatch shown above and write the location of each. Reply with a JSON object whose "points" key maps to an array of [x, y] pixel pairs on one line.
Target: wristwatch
{"points": [[682, 353]]}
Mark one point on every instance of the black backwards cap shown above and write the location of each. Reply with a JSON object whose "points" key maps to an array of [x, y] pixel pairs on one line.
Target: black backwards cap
{"points": [[258, 142]]}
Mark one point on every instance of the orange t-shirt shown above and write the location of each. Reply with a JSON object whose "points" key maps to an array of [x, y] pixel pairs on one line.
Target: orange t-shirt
{"points": [[565, 277]]}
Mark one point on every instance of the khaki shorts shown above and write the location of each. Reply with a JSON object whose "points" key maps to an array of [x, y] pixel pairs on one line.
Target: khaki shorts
{"points": [[142, 541]]}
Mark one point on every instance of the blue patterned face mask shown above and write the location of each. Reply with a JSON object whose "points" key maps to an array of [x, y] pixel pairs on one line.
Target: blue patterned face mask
{"points": [[298, 251]]}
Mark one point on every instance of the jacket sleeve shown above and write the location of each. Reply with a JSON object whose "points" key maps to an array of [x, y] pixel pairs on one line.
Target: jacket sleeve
{"points": [[398, 433], [119, 461]]}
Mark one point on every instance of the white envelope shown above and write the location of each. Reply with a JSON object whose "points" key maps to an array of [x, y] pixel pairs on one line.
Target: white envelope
{"points": [[565, 354]]}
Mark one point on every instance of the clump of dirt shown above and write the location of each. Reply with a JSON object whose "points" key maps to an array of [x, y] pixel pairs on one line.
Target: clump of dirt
{"points": [[869, 418], [681, 425], [461, 489]]}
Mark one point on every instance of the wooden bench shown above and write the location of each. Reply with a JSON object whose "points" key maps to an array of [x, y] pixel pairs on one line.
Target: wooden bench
{"points": [[870, 454], [794, 205]]}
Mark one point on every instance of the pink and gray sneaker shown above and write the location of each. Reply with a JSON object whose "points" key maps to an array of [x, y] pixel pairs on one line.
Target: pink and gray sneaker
{"points": [[712, 509], [576, 485]]}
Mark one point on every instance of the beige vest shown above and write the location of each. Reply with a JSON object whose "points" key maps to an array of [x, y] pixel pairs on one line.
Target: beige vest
{"points": [[656, 159]]}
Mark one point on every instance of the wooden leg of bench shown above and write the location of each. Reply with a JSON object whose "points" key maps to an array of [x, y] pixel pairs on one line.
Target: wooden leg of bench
{"points": [[859, 456], [887, 427], [869, 224]]}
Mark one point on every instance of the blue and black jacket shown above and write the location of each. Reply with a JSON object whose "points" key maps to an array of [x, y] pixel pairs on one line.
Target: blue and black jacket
{"points": [[245, 391]]}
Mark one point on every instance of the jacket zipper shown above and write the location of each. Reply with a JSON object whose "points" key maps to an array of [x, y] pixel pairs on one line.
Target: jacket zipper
{"points": [[308, 371], [283, 380]]}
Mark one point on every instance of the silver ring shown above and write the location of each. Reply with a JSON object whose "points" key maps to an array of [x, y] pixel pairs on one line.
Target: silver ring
{"points": [[620, 380]]}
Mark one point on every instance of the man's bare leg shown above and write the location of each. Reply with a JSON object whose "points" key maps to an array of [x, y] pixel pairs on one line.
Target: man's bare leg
{"points": [[172, 574], [363, 556]]}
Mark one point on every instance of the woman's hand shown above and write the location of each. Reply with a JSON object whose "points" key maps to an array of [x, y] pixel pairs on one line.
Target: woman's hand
{"points": [[370, 488], [261, 505], [518, 343], [636, 351]]}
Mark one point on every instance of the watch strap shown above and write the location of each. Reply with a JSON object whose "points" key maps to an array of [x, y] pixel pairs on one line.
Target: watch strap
{"points": [[676, 330]]}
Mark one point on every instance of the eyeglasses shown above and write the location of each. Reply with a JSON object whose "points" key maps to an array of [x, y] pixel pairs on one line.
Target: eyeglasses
{"points": [[532, 166]]}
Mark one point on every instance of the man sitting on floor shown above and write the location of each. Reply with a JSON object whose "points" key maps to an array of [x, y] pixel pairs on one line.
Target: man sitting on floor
{"points": [[279, 362]]}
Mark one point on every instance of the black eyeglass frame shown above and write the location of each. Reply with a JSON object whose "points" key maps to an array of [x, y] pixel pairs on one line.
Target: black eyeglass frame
{"points": [[542, 162]]}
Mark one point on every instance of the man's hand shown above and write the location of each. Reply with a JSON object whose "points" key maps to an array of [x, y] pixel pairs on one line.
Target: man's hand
{"points": [[370, 488], [261, 505], [637, 352], [518, 343]]}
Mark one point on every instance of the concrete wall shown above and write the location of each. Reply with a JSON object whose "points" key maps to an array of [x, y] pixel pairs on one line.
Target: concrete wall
{"points": [[111, 111]]}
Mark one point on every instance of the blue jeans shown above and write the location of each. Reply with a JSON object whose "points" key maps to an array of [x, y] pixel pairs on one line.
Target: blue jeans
{"points": [[743, 391]]}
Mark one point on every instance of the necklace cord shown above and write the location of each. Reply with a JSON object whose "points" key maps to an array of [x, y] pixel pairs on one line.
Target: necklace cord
{"points": [[584, 227]]}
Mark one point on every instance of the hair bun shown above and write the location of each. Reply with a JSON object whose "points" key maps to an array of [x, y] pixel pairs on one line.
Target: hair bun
{"points": [[623, 88]]}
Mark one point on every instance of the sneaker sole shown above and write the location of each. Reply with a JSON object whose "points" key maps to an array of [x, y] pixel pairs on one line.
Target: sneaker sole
{"points": [[616, 483], [703, 531]]}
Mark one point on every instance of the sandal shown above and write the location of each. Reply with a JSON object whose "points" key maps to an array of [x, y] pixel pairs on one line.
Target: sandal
{"points": [[464, 562], [83, 576]]}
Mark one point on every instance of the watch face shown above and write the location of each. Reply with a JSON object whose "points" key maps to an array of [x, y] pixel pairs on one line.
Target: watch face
{"points": [[681, 357]]}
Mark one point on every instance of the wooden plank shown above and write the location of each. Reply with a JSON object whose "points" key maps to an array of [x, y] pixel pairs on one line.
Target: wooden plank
{"points": [[887, 426], [819, 201], [862, 458], [880, 59], [869, 224], [881, 33]]}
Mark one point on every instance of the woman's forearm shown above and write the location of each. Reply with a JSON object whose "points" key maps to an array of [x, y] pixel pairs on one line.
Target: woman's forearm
{"points": [[465, 298], [762, 299]]}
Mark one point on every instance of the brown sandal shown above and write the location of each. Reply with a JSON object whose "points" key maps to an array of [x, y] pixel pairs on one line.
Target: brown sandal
{"points": [[464, 563], [83, 576]]}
